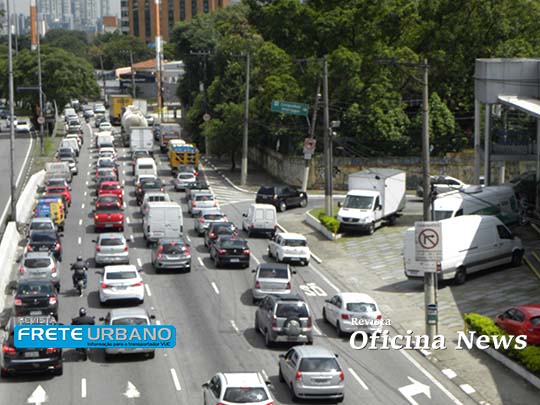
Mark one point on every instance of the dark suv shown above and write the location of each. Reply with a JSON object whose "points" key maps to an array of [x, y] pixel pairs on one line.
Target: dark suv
{"points": [[36, 296], [17, 360], [217, 229], [231, 250], [286, 318], [45, 241], [282, 197]]}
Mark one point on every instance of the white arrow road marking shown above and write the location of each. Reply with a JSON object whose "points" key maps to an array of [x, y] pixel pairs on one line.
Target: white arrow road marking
{"points": [[131, 391], [357, 378], [83, 387], [148, 292], [324, 278], [233, 324], [139, 262], [214, 286], [175, 380], [38, 397], [409, 391]]}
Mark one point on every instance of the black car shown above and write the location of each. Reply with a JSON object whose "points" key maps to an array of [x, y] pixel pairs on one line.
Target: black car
{"points": [[216, 229], [151, 185], [230, 250], [17, 360], [282, 197], [195, 186], [45, 241], [36, 297]]}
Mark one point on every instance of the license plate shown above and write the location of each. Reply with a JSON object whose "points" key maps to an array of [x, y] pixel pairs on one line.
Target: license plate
{"points": [[43, 249], [34, 313], [31, 354], [235, 260], [121, 287], [108, 225], [320, 381]]}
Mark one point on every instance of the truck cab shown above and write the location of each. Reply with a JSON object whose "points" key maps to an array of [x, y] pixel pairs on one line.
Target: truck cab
{"points": [[361, 209]]}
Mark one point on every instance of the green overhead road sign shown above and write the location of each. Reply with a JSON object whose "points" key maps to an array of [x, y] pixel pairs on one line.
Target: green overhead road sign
{"points": [[289, 107]]}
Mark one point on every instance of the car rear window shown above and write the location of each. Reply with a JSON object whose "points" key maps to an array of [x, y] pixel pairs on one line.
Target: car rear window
{"points": [[214, 217], [110, 187], [34, 289], [295, 309], [172, 248], [130, 321], [245, 395], [223, 229], [233, 244], [266, 190], [184, 176], [273, 273], [295, 242], [144, 167], [361, 307], [107, 200], [111, 242], [106, 163], [108, 208], [56, 190], [43, 237], [121, 275], [205, 197], [35, 263], [319, 365], [535, 320], [41, 225], [151, 184]]}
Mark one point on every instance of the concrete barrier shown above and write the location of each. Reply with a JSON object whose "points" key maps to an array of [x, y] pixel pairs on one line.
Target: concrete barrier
{"points": [[316, 224], [25, 204], [8, 255]]}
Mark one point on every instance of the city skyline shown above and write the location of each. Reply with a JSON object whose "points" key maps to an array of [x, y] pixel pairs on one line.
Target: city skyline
{"points": [[23, 6]]}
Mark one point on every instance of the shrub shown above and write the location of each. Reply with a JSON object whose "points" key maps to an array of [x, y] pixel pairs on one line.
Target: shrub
{"points": [[330, 223]]}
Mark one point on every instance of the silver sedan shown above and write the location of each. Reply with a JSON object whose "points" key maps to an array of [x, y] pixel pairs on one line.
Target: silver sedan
{"points": [[111, 248], [207, 216]]}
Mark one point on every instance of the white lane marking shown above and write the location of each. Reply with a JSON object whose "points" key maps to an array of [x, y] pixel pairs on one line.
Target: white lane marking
{"points": [[139, 262], [124, 204], [85, 193], [233, 324], [449, 373], [317, 258], [467, 389], [86, 182], [90, 164], [79, 240], [214, 286], [80, 222], [83, 387], [317, 330], [430, 377], [256, 260], [200, 261], [264, 374], [82, 206], [123, 182], [147, 288], [88, 173], [324, 278], [123, 172], [175, 380], [131, 238], [188, 238], [357, 378], [128, 220]]}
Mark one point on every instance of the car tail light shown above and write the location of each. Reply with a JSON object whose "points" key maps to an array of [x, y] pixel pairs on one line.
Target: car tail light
{"points": [[21, 270], [201, 220], [196, 174], [221, 251], [309, 322], [126, 248], [52, 350], [252, 226], [212, 235], [379, 317], [8, 349], [103, 285], [53, 269], [139, 189], [344, 316], [52, 300], [28, 248], [298, 375], [257, 284], [96, 217], [186, 251], [193, 204], [98, 248], [18, 301], [57, 246], [341, 375], [137, 284], [246, 252], [289, 285], [274, 321]]}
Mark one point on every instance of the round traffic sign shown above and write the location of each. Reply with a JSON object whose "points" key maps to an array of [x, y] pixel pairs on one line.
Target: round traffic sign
{"points": [[428, 238], [41, 120], [206, 117]]}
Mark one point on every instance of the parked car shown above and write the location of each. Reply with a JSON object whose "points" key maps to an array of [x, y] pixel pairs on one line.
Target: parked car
{"points": [[285, 318], [45, 241], [108, 213], [217, 229], [288, 246], [237, 388], [121, 282], [40, 265], [312, 372], [128, 317], [230, 250], [36, 297], [171, 254], [16, 360], [521, 320], [442, 184], [349, 312], [111, 248], [202, 200], [271, 278], [23, 127], [207, 216], [183, 180], [282, 197]]}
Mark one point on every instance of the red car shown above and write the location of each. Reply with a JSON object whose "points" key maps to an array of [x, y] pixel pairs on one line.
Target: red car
{"points": [[111, 187], [63, 190], [108, 213], [522, 320]]}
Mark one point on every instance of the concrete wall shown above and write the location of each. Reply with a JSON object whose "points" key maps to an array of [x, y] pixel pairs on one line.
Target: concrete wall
{"points": [[290, 169]]}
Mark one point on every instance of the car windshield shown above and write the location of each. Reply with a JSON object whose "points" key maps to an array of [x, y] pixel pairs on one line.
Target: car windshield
{"points": [[110, 187], [296, 309], [35, 263], [184, 176], [233, 244], [358, 202], [440, 215], [245, 395], [172, 248], [130, 321], [273, 273], [43, 237], [111, 242], [121, 275], [361, 307], [34, 289], [319, 365], [151, 184], [535, 320], [40, 225], [295, 242], [108, 208], [214, 217]]}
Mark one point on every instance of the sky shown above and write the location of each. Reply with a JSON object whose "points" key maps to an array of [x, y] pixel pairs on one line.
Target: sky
{"points": [[23, 6]]}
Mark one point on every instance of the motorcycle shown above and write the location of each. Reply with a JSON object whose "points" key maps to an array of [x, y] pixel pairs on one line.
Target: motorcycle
{"points": [[84, 353], [80, 282]]}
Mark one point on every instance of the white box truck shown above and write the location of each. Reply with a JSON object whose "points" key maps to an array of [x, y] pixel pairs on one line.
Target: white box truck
{"points": [[141, 138], [163, 220], [470, 243], [141, 105], [375, 197]]}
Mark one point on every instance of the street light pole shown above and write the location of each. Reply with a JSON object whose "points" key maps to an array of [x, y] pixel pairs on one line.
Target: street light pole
{"points": [[158, 61], [328, 199], [132, 74], [103, 77], [40, 117], [13, 184], [243, 174]]}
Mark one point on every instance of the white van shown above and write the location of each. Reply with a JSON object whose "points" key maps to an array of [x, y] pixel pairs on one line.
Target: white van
{"points": [[260, 218], [57, 170], [145, 165], [475, 200], [70, 143], [163, 220], [470, 243]]}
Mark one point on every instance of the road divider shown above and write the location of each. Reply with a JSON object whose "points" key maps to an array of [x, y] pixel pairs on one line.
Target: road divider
{"points": [[8, 253], [26, 200]]}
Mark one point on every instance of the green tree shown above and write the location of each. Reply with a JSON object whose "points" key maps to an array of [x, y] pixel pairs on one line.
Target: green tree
{"points": [[115, 47], [74, 42]]}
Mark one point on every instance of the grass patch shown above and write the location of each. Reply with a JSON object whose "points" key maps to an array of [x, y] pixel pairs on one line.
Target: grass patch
{"points": [[315, 212], [51, 146]]}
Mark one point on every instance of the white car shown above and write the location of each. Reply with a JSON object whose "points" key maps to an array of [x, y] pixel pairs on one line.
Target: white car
{"points": [[350, 312], [289, 247], [8, 119], [442, 184], [121, 282], [237, 388], [105, 126], [22, 127], [107, 151], [202, 200]]}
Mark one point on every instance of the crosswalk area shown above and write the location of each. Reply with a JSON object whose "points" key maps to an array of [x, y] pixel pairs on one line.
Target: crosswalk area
{"points": [[225, 193]]}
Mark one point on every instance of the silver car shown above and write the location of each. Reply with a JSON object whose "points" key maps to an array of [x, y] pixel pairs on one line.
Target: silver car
{"points": [[129, 317], [38, 265], [202, 200], [171, 254], [41, 224], [207, 216], [312, 372], [111, 248], [183, 179], [271, 278]]}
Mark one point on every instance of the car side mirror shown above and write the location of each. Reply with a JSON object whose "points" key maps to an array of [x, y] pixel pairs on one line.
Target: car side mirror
{"points": [[281, 356], [335, 354], [205, 385], [379, 207], [268, 383], [102, 319], [340, 204], [244, 215]]}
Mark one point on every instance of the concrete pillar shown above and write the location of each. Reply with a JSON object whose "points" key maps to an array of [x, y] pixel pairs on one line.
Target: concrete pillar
{"points": [[477, 153], [487, 145]]}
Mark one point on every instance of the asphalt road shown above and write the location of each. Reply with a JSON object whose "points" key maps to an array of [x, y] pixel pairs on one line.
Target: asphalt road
{"points": [[213, 315], [23, 145]]}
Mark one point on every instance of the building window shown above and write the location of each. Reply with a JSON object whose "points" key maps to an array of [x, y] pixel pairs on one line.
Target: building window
{"points": [[147, 22], [182, 10], [171, 15], [193, 8], [205, 6]]}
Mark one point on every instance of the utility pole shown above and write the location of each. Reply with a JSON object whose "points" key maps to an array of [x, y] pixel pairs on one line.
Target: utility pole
{"points": [[13, 185], [243, 175], [40, 117], [312, 127], [158, 61], [202, 89], [328, 200], [132, 74], [103, 77]]}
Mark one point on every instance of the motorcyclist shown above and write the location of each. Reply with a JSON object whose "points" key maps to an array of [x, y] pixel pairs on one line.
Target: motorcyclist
{"points": [[83, 318], [79, 271]]}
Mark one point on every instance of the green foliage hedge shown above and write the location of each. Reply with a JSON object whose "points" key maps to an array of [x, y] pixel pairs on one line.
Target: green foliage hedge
{"points": [[331, 223], [529, 357]]}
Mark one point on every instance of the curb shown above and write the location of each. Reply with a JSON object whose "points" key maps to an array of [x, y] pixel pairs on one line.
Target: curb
{"points": [[316, 224]]}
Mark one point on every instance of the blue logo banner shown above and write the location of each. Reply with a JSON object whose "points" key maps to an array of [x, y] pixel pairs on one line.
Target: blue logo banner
{"points": [[95, 336]]}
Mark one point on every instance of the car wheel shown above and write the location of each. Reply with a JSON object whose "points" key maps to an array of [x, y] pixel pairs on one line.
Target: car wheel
{"points": [[4, 373], [188, 269], [339, 331], [59, 371], [293, 394], [256, 325], [282, 206], [267, 340], [461, 276], [324, 317], [280, 376], [516, 258], [392, 220], [303, 202], [371, 228], [151, 355]]}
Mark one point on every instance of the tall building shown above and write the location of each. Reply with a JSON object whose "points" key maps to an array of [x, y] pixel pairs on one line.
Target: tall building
{"points": [[142, 18], [124, 16], [104, 8]]}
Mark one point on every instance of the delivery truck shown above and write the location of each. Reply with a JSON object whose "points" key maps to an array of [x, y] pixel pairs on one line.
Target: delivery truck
{"points": [[163, 220], [141, 138], [118, 103], [376, 196], [167, 132]]}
